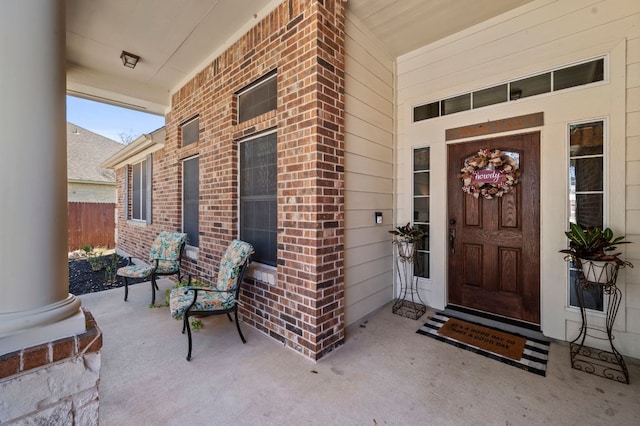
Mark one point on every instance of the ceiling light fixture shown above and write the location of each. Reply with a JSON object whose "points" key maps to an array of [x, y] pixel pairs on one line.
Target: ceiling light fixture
{"points": [[129, 59]]}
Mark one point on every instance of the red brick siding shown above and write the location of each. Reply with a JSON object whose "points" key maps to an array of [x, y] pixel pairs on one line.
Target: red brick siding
{"points": [[304, 41]]}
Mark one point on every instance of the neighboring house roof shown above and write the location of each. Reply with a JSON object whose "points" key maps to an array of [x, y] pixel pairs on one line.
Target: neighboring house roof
{"points": [[85, 153], [146, 143]]}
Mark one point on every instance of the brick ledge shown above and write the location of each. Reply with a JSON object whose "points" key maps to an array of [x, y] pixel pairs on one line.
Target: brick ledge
{"points": [[48, 353]]}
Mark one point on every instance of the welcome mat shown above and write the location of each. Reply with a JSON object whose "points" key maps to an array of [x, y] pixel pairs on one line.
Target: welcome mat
{"points": [[485, 338], [525, 353]]}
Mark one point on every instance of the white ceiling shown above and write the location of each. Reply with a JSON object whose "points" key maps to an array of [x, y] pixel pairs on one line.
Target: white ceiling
{"points": [[176, 38]]}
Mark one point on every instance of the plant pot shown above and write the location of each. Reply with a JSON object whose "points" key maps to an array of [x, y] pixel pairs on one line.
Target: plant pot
{"points": [[597, 271], [406, 249]]}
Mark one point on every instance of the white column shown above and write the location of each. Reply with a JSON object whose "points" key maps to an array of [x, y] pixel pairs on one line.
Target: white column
{"points": [[35, 304]]}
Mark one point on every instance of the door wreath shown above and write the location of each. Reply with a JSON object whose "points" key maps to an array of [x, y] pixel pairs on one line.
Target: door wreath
{"points": [[490, 173]]}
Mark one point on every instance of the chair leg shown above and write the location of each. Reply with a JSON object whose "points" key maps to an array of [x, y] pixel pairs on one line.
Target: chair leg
{"points": [[126, 288], [238, 327], [154, 286], [229, 316], [186, 324]]}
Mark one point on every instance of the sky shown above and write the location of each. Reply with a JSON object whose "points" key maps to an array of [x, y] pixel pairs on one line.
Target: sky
{"points": [[111, 121]]}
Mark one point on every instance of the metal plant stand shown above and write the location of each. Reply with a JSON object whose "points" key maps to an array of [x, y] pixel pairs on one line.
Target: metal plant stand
{"points": [[408, 304], [608, 364]]}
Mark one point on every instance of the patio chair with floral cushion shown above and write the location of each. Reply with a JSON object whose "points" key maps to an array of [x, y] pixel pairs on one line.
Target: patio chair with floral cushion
{"points": [[221, 298], [164, 259]]}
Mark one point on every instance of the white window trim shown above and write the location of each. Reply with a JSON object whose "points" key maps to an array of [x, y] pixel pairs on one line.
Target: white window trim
{"points": [[146, 216]]}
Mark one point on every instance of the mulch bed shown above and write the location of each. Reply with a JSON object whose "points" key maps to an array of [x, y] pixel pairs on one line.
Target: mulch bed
{"points": [[83, 280]]}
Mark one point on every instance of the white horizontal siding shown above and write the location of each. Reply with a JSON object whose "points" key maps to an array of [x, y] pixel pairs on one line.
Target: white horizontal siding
{"points": [[370, 166], [377, 249], [521, 40], [541, 35], [91, 193], [372, 147], [367, 237], [632, 297], [368, 172], [364, 182]]}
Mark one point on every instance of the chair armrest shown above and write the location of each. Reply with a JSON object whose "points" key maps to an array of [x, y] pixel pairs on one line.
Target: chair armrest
{"points": [[195, 290], [162, 258], [195, 276], [188, 288], [130, 260]]}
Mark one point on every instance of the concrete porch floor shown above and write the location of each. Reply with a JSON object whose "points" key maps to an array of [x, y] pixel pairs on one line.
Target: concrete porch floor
{"points": [[384, 373]]}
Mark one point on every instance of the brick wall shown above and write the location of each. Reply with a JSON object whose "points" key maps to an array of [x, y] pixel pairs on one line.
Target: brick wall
{"points": [[304, 41]]}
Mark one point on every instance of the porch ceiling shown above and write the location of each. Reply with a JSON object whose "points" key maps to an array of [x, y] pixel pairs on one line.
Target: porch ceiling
{"points": [[177, 38]]}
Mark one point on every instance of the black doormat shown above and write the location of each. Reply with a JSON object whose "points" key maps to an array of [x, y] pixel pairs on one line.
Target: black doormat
{"points": [[534, 356]]}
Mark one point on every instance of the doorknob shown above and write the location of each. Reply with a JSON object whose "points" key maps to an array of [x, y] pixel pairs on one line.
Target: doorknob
{"points": [[452, 240]]}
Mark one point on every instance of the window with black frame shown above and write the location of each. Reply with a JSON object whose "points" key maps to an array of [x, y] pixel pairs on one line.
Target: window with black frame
{"points": [[586, 194], [190, 131], [258, 98], [258, 196], [191, 200]]}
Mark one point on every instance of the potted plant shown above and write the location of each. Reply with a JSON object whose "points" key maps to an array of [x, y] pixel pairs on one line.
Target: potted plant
{"points": [[590, 249], [408, 237]]}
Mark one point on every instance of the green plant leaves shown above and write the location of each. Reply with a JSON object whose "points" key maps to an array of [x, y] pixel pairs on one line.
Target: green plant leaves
{"points": [[592, 243]]}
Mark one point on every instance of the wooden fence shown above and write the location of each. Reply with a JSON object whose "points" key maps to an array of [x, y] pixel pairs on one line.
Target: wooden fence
{"points": [[91, 224]]}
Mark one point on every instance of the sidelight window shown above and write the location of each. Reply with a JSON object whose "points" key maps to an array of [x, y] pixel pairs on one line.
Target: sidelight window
{"points": [[586, 193], [421, 197]]}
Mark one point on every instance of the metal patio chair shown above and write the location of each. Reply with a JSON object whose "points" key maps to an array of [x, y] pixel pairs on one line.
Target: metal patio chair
{"points": [[219, 299], [164, 259]]}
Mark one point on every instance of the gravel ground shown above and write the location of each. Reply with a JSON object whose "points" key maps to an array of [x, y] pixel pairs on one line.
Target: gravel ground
{"points": [[83, 280]]}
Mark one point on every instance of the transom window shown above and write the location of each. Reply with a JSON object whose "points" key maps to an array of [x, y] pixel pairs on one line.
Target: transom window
{"points": [[258, 98], [586, 193], [190, 131], [258, 191], [551, 81]]}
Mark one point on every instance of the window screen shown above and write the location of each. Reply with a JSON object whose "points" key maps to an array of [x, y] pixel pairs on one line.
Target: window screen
{"points": [[258, 190], [190, 200], [190, 131], [257, 99]]}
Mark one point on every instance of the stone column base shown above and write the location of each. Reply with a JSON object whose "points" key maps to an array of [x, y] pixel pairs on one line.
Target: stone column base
{"points": [[55, 382]]}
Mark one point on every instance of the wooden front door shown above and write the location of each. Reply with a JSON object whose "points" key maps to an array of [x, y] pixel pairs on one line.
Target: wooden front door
{"points": [[494, 244]]}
